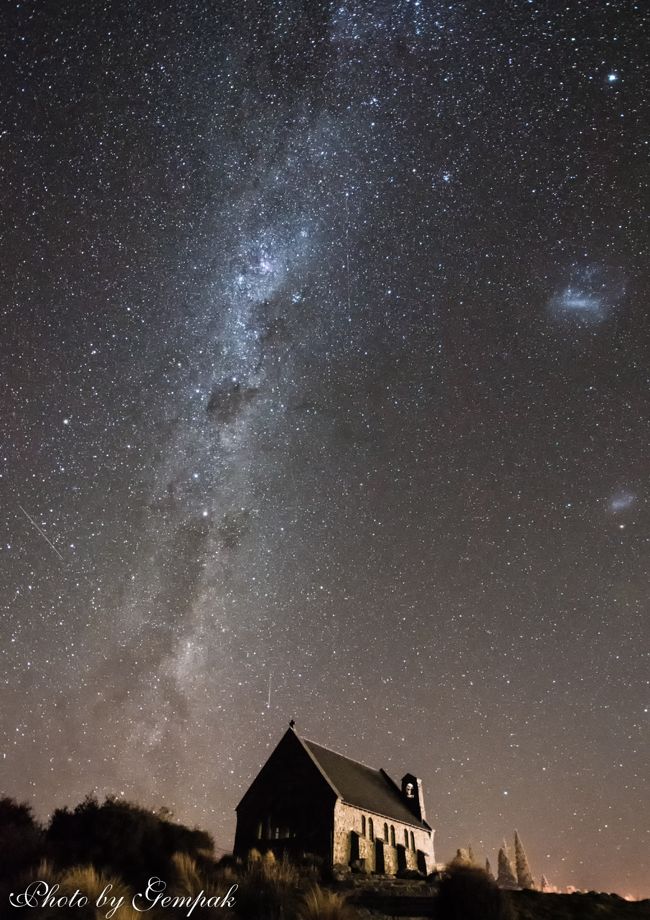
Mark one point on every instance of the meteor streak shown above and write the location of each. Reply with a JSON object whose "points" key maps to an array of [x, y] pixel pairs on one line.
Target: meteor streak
{"points": [[42, 533]]}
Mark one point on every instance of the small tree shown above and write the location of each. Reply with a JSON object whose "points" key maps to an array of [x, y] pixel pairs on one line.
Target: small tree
{"points": [[524, 875], [506, 874]]}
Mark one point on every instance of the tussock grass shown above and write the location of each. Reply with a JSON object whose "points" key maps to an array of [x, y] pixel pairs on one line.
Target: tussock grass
{"points": [[189, 879], [90, 883], [321, 904], [268, 889]]}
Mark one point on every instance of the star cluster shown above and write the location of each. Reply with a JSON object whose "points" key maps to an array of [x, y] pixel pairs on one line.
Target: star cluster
{"points": [[325, 395]]}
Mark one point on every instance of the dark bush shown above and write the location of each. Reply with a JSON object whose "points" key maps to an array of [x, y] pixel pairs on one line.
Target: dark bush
{"points": [[21, 839], [122, 838], [468, 893]]}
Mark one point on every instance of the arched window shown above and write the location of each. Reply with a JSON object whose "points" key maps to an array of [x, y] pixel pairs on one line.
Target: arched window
{"points": [[363, 825], [406, 838], [392, 836], [371, 829], [386, 832], [412, 841]]}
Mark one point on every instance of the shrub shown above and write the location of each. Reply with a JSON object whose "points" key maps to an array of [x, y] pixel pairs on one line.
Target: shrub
{"points": [[468, 893], [121, 838], [21, 838]]}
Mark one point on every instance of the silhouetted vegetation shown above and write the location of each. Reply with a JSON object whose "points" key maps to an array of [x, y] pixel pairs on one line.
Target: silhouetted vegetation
{"points": [[21, 838], [534, 905], [122, 838], [114, 842], [320, 904], [468, 893], [506, 877], [524, 875], [268, 888]]}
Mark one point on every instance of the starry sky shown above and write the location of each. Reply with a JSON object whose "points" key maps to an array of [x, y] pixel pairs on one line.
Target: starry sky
{"points": [[325, 394]]}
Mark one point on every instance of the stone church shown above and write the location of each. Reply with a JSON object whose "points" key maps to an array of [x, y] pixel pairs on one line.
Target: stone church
{"points": [[307, 799]]}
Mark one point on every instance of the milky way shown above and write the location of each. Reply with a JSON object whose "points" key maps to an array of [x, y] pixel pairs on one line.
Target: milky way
{"points": [[325, 396]]}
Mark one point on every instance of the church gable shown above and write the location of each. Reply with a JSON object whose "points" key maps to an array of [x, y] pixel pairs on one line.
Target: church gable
{"points": [[289, 805], [289, 766]]}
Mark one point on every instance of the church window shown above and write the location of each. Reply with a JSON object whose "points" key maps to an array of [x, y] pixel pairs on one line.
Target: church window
{"points": [[386, 832], [392, 836], [412, 841], [371, 829], [363, 825], [406, 838]]}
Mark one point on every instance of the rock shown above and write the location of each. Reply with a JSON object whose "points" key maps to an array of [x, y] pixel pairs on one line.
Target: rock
{"points": [[410, 874], [341, 872]]}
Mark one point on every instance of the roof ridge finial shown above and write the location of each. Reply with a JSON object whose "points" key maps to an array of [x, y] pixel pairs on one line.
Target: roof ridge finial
{"points": [[292, 723]]}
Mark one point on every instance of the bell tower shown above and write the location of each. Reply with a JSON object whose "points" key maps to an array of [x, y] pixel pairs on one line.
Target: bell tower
{"points": [[413, 796]]}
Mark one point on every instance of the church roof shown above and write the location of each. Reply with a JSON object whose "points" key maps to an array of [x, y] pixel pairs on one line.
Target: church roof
{"points": [[362, 786]]}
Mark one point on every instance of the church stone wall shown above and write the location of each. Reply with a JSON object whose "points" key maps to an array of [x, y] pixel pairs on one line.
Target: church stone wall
{"points": [[348, 819]]}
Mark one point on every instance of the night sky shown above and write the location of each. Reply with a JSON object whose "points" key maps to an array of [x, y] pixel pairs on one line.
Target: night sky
{"points": [[325, 394]]}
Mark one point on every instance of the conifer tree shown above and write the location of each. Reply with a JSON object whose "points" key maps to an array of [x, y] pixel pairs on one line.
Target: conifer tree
{"points": [[506, 874], [461, 858], [524, 875], [488, 869]]}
